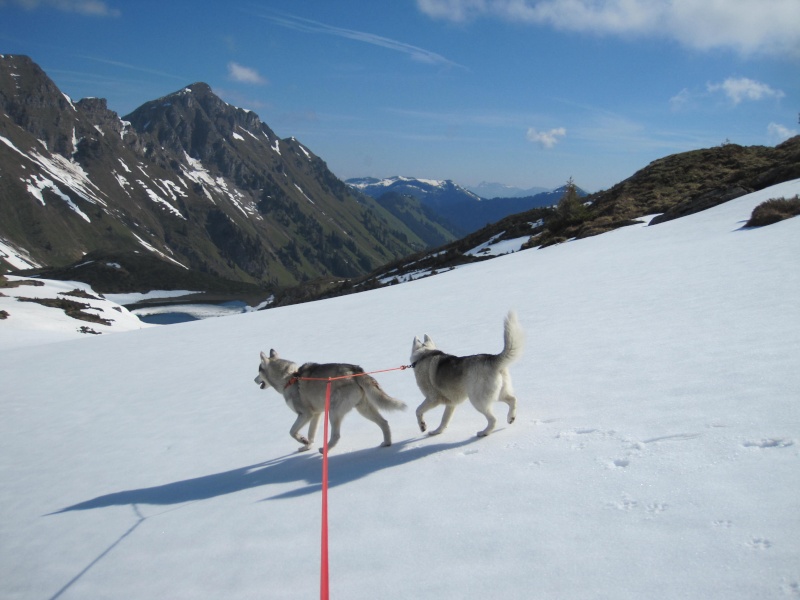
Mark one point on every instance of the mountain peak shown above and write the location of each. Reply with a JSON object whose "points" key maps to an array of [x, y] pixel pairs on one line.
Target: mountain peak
{"points": [[199, 88], [197, 121], [201, 184]]}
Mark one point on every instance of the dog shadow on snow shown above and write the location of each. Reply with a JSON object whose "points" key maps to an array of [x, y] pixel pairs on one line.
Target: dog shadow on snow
{"points": [[304, 469]]}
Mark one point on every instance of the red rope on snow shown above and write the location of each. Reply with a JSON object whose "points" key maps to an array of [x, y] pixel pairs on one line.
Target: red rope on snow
{"points": [[323, 582], [324, 588]]}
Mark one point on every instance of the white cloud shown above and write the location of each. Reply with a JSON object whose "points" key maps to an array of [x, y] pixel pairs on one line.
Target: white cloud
{"points": [[547, 139], [738, 89], [93, 8], [747, 26], [453, 10], [680, 100], [779, 133], [242, 74]]}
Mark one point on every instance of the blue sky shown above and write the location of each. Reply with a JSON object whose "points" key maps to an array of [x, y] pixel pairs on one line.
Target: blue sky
{"points": [[521, 92]]}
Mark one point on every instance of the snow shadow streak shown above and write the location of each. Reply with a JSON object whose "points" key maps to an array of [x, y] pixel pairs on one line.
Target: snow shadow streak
{"points": [[295, 468], [349, 467], [139, 520]]}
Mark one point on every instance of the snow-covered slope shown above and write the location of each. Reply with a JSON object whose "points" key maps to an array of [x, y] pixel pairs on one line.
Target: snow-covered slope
{"points": [[29, 322], [655, 452]]}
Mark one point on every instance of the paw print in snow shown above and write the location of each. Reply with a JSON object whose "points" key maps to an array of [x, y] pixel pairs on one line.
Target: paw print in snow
{"points": [[760, 544]]}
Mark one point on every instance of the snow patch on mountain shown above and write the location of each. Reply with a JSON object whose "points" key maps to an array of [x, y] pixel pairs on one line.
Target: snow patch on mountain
{"points": [[68, 172], [412, 186], [497, 247], [16, 257]]}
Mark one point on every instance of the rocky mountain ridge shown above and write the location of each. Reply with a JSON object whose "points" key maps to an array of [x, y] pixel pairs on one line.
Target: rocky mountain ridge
{"points": [[188, 178]]}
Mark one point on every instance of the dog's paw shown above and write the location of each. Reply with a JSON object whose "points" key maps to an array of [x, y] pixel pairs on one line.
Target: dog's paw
{"points": [[304, 448], [422, 426], [483, 433], [511, 419], [386, 444]]}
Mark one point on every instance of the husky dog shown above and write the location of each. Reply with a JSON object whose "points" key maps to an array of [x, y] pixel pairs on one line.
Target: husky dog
{"points": [[307, 398], [483, 378]]}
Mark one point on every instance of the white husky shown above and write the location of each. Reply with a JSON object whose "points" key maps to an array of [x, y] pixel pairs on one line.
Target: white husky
{"points": [[307, 398], [483, 378]]}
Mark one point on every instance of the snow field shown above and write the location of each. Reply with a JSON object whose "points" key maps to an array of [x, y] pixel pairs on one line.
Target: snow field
{"points": [[655, 452]]}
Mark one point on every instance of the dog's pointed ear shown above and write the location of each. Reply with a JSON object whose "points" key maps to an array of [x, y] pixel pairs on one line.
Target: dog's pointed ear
{"points": [[428, 340], [273, 354], [263, 357], [416, 341]]}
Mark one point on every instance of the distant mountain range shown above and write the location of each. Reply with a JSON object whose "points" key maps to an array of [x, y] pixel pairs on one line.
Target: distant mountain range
{"points": [[671, 187], [491, 190], [186, 178], [458, 209]]}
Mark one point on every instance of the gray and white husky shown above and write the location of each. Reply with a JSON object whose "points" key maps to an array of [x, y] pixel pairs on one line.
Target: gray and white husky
{"points": [[483, 378], [307, 398]]}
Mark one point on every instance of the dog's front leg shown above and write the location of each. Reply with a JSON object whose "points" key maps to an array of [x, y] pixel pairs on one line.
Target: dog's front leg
{"points": [[427, 405], [336, 425], [302, 419], [449, 409]]}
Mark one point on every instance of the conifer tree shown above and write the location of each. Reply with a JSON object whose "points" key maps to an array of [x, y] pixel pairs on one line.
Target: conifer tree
{"points": [[570, 207]]}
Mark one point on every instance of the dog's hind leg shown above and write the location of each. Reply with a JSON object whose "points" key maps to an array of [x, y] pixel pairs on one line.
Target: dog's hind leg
{"points": [[370, 412], [483, 396], [507, 396], [302, 419], [486, 411]]}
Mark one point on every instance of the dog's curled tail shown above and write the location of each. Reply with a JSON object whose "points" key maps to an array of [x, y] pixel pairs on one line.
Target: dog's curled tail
{"points": [[377, 396], [513, 340]]}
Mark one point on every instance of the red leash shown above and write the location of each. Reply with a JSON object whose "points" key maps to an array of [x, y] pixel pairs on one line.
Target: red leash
{"points": [[324, 588], [323, 572], [295, 378]]}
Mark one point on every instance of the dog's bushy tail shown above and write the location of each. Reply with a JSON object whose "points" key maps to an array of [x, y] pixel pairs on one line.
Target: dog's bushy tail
{"points": [[377, 396], [513, 340]]}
